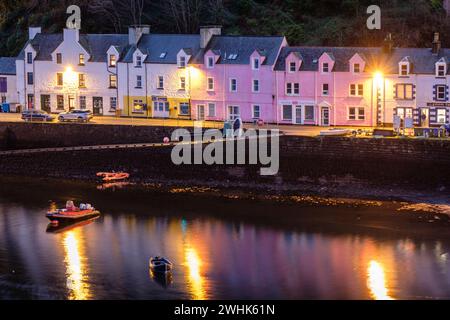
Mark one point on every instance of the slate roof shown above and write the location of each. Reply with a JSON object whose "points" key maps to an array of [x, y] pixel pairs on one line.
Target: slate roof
{"points": [[7, 66], [422, 59], [154, 44], [243, 46]]}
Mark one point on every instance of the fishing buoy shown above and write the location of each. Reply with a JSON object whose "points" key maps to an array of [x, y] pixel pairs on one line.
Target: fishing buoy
{"points": [[166, 140]]}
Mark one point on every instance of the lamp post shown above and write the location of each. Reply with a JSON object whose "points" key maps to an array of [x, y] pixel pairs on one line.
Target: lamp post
{"points": [[379, 83]]}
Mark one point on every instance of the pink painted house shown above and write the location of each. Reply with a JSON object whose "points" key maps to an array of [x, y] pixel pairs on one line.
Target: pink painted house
{"points": [[233, 76], [325, 86]]}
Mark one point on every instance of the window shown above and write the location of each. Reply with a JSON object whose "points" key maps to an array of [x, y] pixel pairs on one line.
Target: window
{"points": [[233, 112], [292, 66], [441, 70], [289, 88], [287, 112], [255, 63], [296, 88], [112, 60], [60, 102], [113, 81], [161, 106], [113, 103], [292, 88], [81, 59], [59, 79], [356, 113], [441, 115], [210, 84], [210, 62], [184, 109], [138, 82], [138, 61], [256, 111], [325, 89], [82, 102], [404, 113], [211, 109], [255, 87], [30, 79], [29, 57], [404, 69], [325, 67], [404, 91], [160, 82], [138, 106], [356, 90], [82, 80], [309, 113], [182, 62], [233, 85], [441, 92], [58, 58], [182, 83], [356, 68], [30, 101]]}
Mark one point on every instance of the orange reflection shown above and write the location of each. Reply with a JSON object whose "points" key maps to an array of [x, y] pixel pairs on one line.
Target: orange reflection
{"points": [[193, 263], [377, 281], [75, 266]]}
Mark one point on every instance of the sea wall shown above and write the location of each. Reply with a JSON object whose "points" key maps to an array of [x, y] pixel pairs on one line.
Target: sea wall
{"points": [[305, 162]]}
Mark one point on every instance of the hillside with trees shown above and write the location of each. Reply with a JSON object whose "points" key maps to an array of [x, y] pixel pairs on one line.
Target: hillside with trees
{"points": [[303, 22]]}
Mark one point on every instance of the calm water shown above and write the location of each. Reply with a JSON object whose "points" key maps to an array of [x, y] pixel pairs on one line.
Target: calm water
{"points": [[216, 255]]}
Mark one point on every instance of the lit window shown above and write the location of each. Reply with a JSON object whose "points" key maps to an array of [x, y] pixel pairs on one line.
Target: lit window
{"points": [[182, 83], [210, 84], [81, 60], [356, 113], [356, 90], [58, 58], [404, 69], [404, 91], [113, 81], [441, 116], [60, 102], [82, 80], [112, 60], [356, 68], [82, 102], [59, 79], [138, 106]]}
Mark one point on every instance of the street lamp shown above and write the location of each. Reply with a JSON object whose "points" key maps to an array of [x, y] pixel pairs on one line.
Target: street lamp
{"points": [[378, 79]]}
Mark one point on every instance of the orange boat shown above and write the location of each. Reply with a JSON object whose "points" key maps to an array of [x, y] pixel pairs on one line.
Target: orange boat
{"points": [[72, 213], [113, 176]]}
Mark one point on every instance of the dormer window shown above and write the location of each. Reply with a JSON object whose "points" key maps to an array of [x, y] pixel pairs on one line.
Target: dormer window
{"points": [[138, 61], [29, 57], [210, 62], [292, 66], [255, 63], [182, 62], [325, 67], [81, 59], [58, 58], [356, 68], [112, 60], [441, 70], [404, 69]]}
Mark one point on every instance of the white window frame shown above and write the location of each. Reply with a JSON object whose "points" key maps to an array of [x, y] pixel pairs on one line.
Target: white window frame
{"points": [[30, 60], [282, 112], [183, 83], [323, 67], [444, 71], [357, 114], [255, 81], [258, 61], [235, 115], [441, 86], [357, 88], [231, 85], [210, 62], [138, 62], [325, 92], [403, 86], [400, 71], [210, 81], [82, 80], [160, 83], [112, 61], [289, 87], [292, 64], [182, 62], [354, 68], [81, 59], [138, 81], [83, 105], [111, 77], [211, 114], [253, 111], [440, 116], [113, 103]]}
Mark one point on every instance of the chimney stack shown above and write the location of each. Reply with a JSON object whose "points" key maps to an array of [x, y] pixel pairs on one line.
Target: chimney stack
{"points": [[33, 31], [135, 33], [388, 44], [436, 46], [207, 32]]}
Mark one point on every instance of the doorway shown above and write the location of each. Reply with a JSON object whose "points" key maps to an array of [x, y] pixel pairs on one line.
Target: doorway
{"points": [[298, 115], [424, 117], [325, 116], [71, 102], [233, 112], [201, 112], [45, 103], [97, 105]]}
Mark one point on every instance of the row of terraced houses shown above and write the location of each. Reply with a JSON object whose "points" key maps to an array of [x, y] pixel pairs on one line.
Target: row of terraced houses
{"points": [[210, 76]]}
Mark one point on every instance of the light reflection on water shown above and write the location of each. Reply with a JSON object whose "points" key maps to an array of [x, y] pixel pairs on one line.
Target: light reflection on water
{"points": [[213, 259]]}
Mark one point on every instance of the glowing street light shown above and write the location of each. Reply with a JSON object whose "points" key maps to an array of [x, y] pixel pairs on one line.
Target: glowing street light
{"points": [[378, 78]]}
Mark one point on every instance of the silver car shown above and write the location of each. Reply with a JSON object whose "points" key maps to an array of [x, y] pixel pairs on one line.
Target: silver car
{"points": [[76, 115]]}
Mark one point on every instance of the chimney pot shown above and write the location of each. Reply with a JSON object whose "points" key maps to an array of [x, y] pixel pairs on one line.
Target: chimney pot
{"points": [[33, 31], [135, 33], [207, 32]]}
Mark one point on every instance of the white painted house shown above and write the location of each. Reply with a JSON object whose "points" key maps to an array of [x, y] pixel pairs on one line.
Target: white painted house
{"points": [[8, 82]]}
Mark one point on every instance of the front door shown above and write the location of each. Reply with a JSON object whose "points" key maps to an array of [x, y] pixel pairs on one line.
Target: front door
{"points": [[298, 115], [325, 116], [201, 112], [71, 102], [160, 109], [97, 105], [424, 117], [45, 103]]}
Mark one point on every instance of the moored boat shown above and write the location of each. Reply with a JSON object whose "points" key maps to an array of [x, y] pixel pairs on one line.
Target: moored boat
{"points": [[113, 176], [160, 265], [72, 213], [335, 132]]}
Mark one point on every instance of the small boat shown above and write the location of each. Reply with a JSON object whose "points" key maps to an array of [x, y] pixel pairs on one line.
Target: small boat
{"points": [[160, 265], [113, 176], [70, 225], [72, 213], [336, 132]]}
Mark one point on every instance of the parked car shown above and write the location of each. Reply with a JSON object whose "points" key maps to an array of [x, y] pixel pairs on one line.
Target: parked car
{"points": [[36, 115], [75, 115]]}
